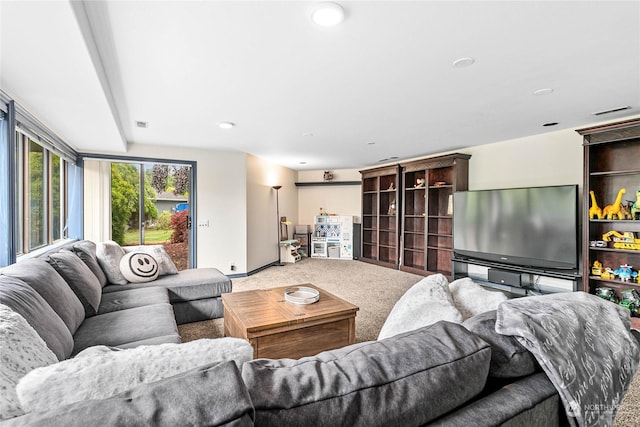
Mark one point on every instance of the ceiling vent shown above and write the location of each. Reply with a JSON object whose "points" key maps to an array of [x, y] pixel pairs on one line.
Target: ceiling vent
{"points": [[613, 110]]}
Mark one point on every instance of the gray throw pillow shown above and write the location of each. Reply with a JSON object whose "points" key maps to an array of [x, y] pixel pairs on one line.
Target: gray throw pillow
{"points": [[509, 359], [80, 279], [109, 254], [23, 299], [45, 280], [86, 251], [408, 379]]}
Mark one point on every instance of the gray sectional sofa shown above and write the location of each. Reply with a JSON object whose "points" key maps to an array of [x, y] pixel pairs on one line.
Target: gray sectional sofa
{"points": [[66, 297], [436, 375], [444, 374]]}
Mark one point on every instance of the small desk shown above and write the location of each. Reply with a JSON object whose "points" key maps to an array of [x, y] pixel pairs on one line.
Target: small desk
{"points": [[277, 328]]}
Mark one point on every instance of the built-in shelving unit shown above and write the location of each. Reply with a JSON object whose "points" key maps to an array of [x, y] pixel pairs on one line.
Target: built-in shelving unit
{"points": [[427, 215], [611, 163], [380, 208]]}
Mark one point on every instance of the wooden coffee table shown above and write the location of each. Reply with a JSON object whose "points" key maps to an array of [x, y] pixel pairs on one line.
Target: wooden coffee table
{"points": [[277, 328]]}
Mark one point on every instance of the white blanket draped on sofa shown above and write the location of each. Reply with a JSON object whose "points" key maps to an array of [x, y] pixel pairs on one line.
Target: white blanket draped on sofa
{"points": [[584, 345]]}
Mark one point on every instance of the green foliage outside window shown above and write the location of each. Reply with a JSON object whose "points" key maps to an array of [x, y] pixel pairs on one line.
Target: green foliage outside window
{"points": [[125, 180]]}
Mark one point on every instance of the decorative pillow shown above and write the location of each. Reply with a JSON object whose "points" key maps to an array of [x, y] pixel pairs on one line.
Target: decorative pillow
{"points": [[139, 267], [79, 278], [471, 299], [23, 299], [425, 303], [86, 251], [165, 263], [21, 351], [109, 254], [99, 372], [46, 281], [509, 359], [408, 379]]}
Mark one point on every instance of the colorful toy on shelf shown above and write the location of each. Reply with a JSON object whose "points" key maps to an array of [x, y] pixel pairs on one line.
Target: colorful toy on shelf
{"points": [[608, 294], [631, 301], [624, 240], [607, 274], [635, 207], [612, 210], [625, 273], [596, 268], [625, 211], [594, 211]]}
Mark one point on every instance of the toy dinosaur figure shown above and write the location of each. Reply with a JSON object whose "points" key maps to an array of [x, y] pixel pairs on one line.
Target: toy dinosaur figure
{"points": [[612, 210], [635, 208], [594, 211], [625, 211]]}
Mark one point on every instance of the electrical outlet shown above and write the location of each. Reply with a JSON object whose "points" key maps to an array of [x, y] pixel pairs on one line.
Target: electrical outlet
{"points": [[233, 267]]}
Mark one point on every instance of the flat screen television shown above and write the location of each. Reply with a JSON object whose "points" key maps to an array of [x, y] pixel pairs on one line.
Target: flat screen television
{"points": [[534, 227]]}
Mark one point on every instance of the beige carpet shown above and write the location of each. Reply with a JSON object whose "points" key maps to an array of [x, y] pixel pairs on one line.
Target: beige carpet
{"points": [[375, 290]]}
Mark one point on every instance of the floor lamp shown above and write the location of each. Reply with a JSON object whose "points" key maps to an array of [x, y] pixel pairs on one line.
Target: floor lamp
{"points": [[278, 187]]}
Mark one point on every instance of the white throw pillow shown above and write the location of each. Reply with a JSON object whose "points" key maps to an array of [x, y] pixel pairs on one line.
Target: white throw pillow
{"points": [[471, 298], [109, 254], [100, 372], [139, 267], [165, 263], [21, 351], [425, 303]]}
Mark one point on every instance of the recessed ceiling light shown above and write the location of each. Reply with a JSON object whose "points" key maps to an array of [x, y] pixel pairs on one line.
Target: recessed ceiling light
{"points": [[226, 125], [393, 157], [544, 91], [383, 160], [550, 124], [463, 62], [303, 163], [308, 134], [142, 124], [371, 143], [327, 14], [613, 110]]}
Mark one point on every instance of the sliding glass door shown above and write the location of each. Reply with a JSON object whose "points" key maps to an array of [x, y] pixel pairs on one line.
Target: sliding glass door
{"points": [[150, 205]]}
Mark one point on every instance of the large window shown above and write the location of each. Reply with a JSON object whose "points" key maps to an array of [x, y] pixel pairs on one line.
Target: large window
{"points": [[41, 190], [40, 185]]}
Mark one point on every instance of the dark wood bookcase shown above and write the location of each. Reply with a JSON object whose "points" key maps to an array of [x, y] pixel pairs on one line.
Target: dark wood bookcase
{"points": [[380, 213], [427, 212], [611, 162]]}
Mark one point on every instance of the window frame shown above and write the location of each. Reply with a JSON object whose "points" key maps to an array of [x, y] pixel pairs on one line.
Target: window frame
{"points": [[22, 130]]}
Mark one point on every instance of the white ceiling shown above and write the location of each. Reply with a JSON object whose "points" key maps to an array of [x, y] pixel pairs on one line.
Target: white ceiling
{"points": [[379, 85]]}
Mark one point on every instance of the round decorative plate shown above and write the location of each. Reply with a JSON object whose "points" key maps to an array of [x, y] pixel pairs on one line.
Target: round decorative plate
{"points": [[301, 295]]}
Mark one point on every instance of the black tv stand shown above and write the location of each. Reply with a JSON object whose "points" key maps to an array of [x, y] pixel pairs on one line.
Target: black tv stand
{"points": [[530, 276]]}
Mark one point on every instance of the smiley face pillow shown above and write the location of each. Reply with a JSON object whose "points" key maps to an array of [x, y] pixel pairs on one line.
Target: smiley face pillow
{"points": [[138, 267]]}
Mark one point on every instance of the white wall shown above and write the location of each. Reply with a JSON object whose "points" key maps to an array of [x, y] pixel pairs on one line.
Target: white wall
{"points": [[262, 219], [553, 158], [221, 199], [335, 199]]}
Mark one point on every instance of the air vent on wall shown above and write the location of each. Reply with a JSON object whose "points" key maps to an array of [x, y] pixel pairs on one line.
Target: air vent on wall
{"points": [[613, 110]]}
